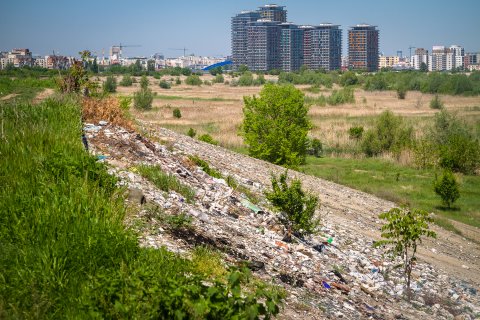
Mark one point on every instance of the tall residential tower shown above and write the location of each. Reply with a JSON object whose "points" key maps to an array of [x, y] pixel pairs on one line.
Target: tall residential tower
{"points": [[273, 12], [363, 41], [326, 47], [264, 45], [240, 36]]}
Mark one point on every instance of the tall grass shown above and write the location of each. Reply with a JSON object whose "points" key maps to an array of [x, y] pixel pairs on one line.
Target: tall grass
{"points": [[65, 252]]}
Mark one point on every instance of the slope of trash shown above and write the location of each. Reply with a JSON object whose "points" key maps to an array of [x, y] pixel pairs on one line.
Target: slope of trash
{"points": [[335, 274]]}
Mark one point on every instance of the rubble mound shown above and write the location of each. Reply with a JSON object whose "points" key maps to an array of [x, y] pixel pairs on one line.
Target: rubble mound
{"points": [[335, 274]]}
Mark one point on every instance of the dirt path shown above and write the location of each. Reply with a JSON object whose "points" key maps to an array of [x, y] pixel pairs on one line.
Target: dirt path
{"points": [[43, 95], [351, 209], [8, 96]]}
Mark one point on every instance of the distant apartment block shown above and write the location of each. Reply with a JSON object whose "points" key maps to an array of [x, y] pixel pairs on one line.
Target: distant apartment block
{"points": [[273, 12], [325, 47], [420, 56], [388, 61], [363, 47], [264, 41], [240, 36], [446, 59], [291, 46], [472, 61]]}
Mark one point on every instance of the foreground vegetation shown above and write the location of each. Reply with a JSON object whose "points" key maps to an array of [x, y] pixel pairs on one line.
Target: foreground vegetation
{"points": [[65, 250]]}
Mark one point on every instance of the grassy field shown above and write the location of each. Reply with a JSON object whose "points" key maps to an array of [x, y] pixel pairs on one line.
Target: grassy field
{"points": [[400, 184], [65, 251], [23, 89]]}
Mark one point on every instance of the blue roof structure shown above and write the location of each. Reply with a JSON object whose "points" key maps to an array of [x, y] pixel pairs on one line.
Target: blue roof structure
{"points": [[219, 64]]}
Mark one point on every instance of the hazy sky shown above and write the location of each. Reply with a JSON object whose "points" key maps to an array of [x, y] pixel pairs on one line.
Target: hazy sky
{"points": [[204, 26]]}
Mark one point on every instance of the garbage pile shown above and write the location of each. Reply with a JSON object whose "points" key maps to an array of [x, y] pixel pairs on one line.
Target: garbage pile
{"points": [[335, 274]]}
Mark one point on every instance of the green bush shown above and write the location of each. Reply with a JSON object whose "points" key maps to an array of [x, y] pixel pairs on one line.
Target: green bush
{"points": [[389, 134], [436, 102], [349, 78], [208, 139], [110, 85], [127, 81], [401, 92], [143, 99], [193, 80], [315, 147], [219, 79], [191, 133], [177, 113], [275, 125], [178, 81], [144, 82], [246, 79], [164, 84], [345, 95], [355, 132], [447, 188], [297, 206]]}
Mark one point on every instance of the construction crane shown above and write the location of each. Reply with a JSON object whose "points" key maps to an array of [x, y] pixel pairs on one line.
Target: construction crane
{"points": [[121, 46], [183, 49]]}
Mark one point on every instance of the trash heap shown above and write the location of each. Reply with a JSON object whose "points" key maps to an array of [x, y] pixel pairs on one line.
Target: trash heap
{"points": [[335, 274]]}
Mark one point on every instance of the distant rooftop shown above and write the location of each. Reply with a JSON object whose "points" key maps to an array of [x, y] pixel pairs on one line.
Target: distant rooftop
{"points": [[363, 25], [271, 6]]}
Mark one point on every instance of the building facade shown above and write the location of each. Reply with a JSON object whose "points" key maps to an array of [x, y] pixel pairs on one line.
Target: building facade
{"points": [[240, 36], [264, 42], [420, 56], [363, 47], [325, 47], [388, 61], [291, 47]]}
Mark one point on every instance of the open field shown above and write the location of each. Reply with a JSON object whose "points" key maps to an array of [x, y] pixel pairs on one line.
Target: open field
{"points": [[217, 110]]}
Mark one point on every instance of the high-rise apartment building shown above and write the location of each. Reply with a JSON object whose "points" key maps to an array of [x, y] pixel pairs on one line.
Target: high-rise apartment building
{"points": [[458, 54], [437, 61], [307, 45], [291, 47], [325, 47], [273, 12], [240, 36], [363, 47], [420, 56], [264, 40]]}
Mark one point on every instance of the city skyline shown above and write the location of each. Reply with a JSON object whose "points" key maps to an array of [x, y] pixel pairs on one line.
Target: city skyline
{"points": [[204, 28]]}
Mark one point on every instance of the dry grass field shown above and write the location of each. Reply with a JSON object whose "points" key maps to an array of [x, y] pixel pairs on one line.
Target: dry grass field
{"points": [[217, 110]]}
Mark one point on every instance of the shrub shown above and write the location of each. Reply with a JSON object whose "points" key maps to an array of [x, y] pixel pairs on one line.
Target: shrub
{"points": [[207, 83], [205, 167], [401, 93], [297, 206], [342, 96], [356, 132], [389, 134], [144, 82], [176, 113], [178, 81], [143, 99], [246, 79], [447, 188], [349, 78], [193, 80], [127, 81], [315, 147], [125, 103], [260, 80], [164, 84], [208, 139], [110, 85], [403, 232], [219, 79], [275, 125], [191, 133], [436, 102]]}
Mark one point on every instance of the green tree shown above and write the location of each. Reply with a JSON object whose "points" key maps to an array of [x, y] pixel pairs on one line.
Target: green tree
{"points": [[423, 67], [177, 113], [403, 233], [216, 71], [191, 132], [349, 78], [242, 68], [144, 82], [193, 80], [275, 125], [447, 188], [297, 206], [389, 134], [126, 81], [95, 66], [110, 85]]}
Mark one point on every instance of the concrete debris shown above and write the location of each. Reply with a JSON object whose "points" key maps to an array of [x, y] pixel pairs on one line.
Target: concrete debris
{"points": [[345, 279]]}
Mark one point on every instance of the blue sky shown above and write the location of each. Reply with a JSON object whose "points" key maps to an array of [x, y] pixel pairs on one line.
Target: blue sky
{"points": [[204, 26]]}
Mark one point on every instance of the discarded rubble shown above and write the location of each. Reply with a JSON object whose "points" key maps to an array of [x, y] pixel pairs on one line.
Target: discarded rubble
{"points": [[336, 274]]}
